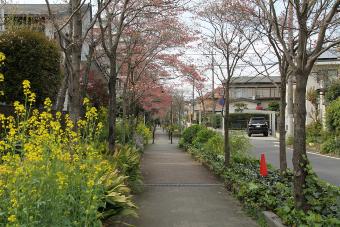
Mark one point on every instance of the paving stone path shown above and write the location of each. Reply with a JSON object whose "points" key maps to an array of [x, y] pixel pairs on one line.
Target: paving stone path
{"points": [[180, 192]]}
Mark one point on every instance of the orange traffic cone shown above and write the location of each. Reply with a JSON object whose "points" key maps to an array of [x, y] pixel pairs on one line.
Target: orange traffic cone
{"points": [[263, 166]]}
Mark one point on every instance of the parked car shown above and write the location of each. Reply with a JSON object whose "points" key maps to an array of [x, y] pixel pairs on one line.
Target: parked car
{"points": [[258, 125]]}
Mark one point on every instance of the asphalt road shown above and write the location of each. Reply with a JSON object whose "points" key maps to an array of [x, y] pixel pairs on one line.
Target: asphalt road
{"points": [[327, 168]]}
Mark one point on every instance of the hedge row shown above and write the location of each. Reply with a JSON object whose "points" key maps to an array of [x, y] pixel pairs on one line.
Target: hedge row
{"points": [[274, 192]]}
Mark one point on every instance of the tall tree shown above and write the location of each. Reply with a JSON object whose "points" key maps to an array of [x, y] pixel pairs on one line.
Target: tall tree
{"points": [[230, 36], [313, 27], [72, 33], [274, 49], [113, 23]]}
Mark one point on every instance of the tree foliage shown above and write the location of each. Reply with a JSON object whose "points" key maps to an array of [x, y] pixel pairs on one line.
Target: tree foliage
{"points": [[333, 92], [274, 106], [333, 116], [30, 56]]}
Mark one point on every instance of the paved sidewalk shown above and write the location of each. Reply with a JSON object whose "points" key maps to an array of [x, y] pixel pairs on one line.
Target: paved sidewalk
{"points": [[180, 192]]}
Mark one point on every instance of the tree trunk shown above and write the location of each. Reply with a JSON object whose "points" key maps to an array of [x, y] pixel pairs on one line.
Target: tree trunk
{"points": [[290, 109], [112, 106], [226, 127], [74, 84], [282, 124], [154, 132], [299, 154], [59, 106]]}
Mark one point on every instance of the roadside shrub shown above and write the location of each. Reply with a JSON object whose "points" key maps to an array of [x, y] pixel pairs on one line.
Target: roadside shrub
{"points": [[202, 137], [313, 132], [274, 192], [30, 56], [333, 116], [189, 134], [215, 144], [331, 145], [145, 132], [239, 143], [333, 91]]}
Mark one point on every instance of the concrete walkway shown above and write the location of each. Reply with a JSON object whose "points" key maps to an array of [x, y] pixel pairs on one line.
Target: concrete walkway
{"points": [[180, 192]]}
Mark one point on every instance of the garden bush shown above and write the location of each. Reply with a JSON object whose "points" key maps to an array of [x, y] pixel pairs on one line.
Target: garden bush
{"points": [[274, 192], [189, 134], [54, 175], [145, 132], [313, 132], [30, 56], [333, 116], [331, 145], [333, 91], [202, 137]]}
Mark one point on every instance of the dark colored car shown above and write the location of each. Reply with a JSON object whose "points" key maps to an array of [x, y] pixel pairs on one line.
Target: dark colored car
{"points": [[258, 125]]}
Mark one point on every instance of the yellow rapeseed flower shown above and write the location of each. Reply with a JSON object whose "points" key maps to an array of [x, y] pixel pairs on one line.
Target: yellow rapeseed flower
{"points": [[2, 57], [48, 104], [32, 97], [19, 108], [90, 183], [86, 101], [27, 86], [12, 218]]}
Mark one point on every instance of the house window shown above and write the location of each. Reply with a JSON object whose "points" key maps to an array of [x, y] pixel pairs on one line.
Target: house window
{"points": [[263, 92]]}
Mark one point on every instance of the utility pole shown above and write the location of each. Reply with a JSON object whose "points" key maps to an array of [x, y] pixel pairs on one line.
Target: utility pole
{"points": [[171, 122], [2, 16], [290, 114], [193, 98], [213, 81]]}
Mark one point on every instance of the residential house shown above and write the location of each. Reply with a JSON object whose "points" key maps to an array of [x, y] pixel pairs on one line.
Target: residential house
{"points": [[37, 17], [325, 70], [253, 93]]}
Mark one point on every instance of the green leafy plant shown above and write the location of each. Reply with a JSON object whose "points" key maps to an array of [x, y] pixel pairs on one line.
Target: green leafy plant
{"points": [[333, 116], [30, 56], [314, 132], [274, 106], [333, 91], [145, 132], [331, 145], [189, 134], [274, 192], [202, 137], [127, 160]]}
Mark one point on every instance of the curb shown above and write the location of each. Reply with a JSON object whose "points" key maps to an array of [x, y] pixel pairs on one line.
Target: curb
{"points": [[272, 219]]}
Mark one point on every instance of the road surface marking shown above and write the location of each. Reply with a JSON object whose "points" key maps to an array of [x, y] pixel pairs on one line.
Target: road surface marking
{"points": [[322, 155], [276, 144], [317, 154]]}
